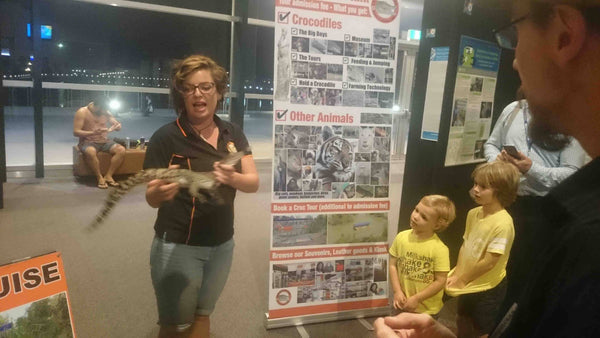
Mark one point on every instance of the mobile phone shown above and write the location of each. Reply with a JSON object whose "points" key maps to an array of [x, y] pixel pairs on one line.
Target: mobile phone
{"points": [[512, 151]]}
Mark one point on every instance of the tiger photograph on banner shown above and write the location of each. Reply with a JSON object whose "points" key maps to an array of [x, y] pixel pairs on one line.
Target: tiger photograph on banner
{"points": [[331, 161]]}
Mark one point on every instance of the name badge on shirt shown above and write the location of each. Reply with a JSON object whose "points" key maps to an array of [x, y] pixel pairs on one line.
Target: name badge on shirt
{"points": [[231, 147]]}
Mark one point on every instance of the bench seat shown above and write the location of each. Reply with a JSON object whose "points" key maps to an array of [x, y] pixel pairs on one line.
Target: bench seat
{"points": [[132, 163]]}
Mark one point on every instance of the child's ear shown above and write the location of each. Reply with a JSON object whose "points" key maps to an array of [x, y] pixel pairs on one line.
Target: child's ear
{"points": [[441, 222]]}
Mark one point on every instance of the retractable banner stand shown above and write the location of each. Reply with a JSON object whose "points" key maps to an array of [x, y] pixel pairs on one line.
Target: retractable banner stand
{"points": [[335, 66], [34, 300]]}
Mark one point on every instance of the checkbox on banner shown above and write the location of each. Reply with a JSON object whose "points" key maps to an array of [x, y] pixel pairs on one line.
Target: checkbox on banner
{"points": [[344, 85], [346, 37], [345, 60], [293, 82], [294, 56], [283, 17], [281, 115], [294, 31]]}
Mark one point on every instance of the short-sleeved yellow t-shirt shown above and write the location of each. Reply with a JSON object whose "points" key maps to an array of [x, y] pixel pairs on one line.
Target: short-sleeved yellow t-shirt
{"points": [[417, 262], [494, 233]]}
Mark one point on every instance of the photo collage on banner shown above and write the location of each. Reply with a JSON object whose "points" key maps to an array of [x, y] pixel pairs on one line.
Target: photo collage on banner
{"points": [[335, 71], [473, 102]]}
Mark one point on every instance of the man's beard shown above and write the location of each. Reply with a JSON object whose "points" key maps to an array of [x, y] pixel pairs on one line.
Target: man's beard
{"points": [[545, 137]]}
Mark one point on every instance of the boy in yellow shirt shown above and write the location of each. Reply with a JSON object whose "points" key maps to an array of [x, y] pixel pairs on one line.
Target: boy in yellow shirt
{"points": [[419, 260], [479, 276]]}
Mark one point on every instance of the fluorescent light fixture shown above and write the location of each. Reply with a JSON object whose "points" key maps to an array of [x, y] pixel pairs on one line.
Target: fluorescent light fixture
{"points": [[5, 52]]}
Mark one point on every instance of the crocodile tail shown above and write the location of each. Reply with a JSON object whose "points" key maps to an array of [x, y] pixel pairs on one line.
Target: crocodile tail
{"points": [[115, 194]]}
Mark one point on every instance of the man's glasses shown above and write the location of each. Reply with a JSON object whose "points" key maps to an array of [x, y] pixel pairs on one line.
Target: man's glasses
{"points": [[203, 87], [507, 36]]}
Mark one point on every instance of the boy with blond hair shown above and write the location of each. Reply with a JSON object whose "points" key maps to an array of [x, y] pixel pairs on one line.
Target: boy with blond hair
{"points": [[419, 260], [479, 276]]}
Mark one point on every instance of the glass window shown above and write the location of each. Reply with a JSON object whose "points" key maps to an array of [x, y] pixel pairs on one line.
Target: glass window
{"points": [[123, 43], [222, 7], [258, 125], [261, 9], [258, 87], [124, 53], [18, 126]]}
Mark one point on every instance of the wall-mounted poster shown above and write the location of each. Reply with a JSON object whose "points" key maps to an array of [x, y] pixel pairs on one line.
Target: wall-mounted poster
{"points": [[33, 298], [436, 80], [335, 71], [473, 101]]}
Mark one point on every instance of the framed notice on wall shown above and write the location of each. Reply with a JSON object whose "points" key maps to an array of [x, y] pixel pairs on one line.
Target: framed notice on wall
{"points": [[473, 100], [436, 79]]}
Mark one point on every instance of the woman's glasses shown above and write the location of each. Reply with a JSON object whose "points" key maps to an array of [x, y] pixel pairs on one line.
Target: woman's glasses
{"points": [[203, 87]]}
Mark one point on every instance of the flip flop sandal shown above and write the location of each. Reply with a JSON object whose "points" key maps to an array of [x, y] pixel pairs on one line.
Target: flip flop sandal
{"points": [[103, 185]]}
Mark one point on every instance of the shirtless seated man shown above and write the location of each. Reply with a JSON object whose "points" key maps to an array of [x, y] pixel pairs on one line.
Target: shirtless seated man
{"points": [[90, 125]]}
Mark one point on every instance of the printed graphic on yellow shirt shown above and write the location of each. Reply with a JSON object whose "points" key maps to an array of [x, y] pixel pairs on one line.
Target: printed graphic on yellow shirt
{"points": [[416, 267]]}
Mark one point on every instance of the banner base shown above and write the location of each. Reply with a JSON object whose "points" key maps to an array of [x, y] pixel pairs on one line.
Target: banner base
{"points": [[324, 317]]}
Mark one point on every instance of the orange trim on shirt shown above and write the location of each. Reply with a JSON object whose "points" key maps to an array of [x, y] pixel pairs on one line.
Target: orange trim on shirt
{"points": [[191, 220], [193, 210], [173, 156], [181, 128]]}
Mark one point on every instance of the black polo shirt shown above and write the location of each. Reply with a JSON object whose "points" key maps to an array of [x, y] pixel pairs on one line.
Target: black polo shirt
{"points": [[184, 219]]}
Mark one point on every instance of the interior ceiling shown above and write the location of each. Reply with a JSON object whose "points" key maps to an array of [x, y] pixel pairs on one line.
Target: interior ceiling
{"points": [[410, 14]]}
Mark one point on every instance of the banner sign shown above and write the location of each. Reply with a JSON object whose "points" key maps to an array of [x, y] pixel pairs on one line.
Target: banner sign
{"points": [[473, 101], [335, 71], [33, 298]]}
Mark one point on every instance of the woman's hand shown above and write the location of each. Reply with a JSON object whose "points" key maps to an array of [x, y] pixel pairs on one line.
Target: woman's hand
{"points": [[224, 173], [159, 191]]}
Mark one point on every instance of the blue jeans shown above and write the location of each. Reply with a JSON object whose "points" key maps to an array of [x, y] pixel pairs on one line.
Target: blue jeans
{"points": [[188, 279]]}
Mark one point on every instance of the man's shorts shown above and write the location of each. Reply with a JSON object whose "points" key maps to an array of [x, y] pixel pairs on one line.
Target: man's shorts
{"points": [[483, 307], [105, 147], [188, 279]]}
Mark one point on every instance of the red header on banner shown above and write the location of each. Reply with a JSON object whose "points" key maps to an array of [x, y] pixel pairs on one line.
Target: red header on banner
{"points": [[296, 207], [336, 307], [319, 253], [327, 7]]}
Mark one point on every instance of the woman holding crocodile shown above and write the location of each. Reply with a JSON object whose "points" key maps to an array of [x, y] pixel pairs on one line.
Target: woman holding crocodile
{"points": [[193, 245]]}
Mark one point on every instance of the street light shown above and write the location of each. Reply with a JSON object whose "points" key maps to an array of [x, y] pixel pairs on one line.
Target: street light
{"points": [[114, 105]]}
